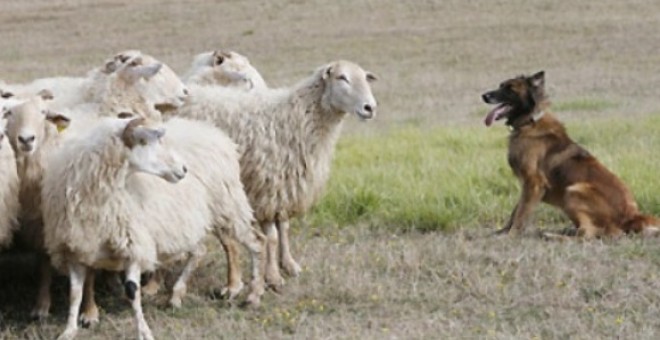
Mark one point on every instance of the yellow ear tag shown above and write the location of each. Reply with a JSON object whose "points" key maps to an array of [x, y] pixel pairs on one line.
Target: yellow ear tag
{"points": [[61, 128]]}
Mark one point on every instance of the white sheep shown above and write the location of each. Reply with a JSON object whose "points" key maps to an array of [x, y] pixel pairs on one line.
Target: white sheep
{"points": [[163, 89], [286, 140], [33, 138], [32, 131], [224, 68], [105, 206], [9, 185]]}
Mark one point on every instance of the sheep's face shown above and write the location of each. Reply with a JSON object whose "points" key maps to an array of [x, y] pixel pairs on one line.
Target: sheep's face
{"points": [[348, 90], [148, 153], [232, 69], [155, 81], [28, 122], [165, 89]]}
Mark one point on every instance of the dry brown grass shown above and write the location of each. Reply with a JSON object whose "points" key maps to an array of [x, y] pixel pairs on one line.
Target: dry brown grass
{"points": [[434, 58]]}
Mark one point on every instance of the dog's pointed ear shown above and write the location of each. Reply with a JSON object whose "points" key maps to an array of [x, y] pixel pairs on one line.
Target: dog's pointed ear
{"points": [[538, 79]]}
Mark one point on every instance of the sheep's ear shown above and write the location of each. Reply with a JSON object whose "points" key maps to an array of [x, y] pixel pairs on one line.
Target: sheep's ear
{"points": [[538, 79], [145, 72], [219, 57], [45, 94], [6, 94], [60, 121], [147, 135], [327, 72], [110, 67], [122, 58], [371, 77]]}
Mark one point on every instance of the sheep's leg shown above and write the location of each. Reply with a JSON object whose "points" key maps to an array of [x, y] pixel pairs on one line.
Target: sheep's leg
{"points": [[273, 277], [286, 260], [132, 288], [77, 273], [180, 286], [254, 241], [152, 286], [90, 312], [42, 306], [234, 274]]}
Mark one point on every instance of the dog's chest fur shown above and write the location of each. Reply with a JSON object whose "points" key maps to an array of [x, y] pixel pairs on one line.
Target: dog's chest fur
{"points": [[528, 148]]}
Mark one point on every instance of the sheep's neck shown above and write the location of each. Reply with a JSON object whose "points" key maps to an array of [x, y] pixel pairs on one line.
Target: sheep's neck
{"points": [[120, 96], [321, 126], [103, 181]]}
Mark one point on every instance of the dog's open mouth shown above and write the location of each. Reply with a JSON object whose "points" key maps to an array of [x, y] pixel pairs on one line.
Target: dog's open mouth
{"points": [[499, 112]]}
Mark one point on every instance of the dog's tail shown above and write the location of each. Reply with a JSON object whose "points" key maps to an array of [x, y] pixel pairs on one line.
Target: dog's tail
{"points": [[648, 226]]}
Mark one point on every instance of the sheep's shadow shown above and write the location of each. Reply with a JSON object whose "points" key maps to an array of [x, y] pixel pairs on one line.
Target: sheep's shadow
{"points": [[19, 279]]}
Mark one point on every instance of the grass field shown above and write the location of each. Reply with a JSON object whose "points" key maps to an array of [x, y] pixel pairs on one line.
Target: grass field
{"points": [[399, 247]]}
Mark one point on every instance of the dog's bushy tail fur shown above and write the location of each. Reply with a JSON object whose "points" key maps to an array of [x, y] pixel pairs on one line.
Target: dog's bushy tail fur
{"points": [[644, 224]]}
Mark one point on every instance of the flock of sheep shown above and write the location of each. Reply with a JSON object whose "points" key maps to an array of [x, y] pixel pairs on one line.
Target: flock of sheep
{"points": [[86, 161]]}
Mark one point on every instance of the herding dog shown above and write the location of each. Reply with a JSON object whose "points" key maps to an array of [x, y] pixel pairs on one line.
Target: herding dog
{"points": [[554, 169]]}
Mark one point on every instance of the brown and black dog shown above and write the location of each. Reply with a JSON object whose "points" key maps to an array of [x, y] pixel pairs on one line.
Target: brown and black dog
{"points": [[554, 169]]}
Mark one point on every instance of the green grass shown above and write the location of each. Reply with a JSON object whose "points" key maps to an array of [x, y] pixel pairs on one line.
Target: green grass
{"points": [[445, 178], [584, 104]]}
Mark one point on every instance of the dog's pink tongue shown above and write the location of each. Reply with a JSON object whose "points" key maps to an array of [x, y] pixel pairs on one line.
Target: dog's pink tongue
{"points": [[494, 114]]}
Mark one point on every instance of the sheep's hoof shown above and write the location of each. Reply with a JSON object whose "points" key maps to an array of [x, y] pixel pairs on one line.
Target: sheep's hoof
{"points": [[252, 301], [151, 287], [68, 334], [275, 282], [89, 318], [39, 314], [291, 268], [229, 293], [175, 302], [130, 288], [275, 287]]}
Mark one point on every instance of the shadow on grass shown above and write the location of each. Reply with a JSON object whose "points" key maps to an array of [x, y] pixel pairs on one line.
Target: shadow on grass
{"points": [[19, 280]]}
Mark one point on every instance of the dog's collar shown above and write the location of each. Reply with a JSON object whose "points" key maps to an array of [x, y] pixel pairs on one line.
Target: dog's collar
{"points": [[530, 120]]}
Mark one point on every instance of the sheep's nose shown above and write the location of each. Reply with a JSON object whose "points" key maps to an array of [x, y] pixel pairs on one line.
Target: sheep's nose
{"points": [[486, 97], [369, 108], [184, 169], [26, 140], [185, 92]]}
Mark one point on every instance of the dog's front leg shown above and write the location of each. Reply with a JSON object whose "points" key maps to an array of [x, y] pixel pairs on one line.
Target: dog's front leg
{"points": [[532, 192], [507, 227]]}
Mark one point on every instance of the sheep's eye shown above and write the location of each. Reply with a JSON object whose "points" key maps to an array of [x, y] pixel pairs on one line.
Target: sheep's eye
{"points": [[219, 60], [343, 78], [6, 95], [124, 115], [142, 141]]}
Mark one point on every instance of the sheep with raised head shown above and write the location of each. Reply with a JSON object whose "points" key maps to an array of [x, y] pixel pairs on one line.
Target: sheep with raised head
{"points": [[286, 140], [105, 206], [224, 68]]}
